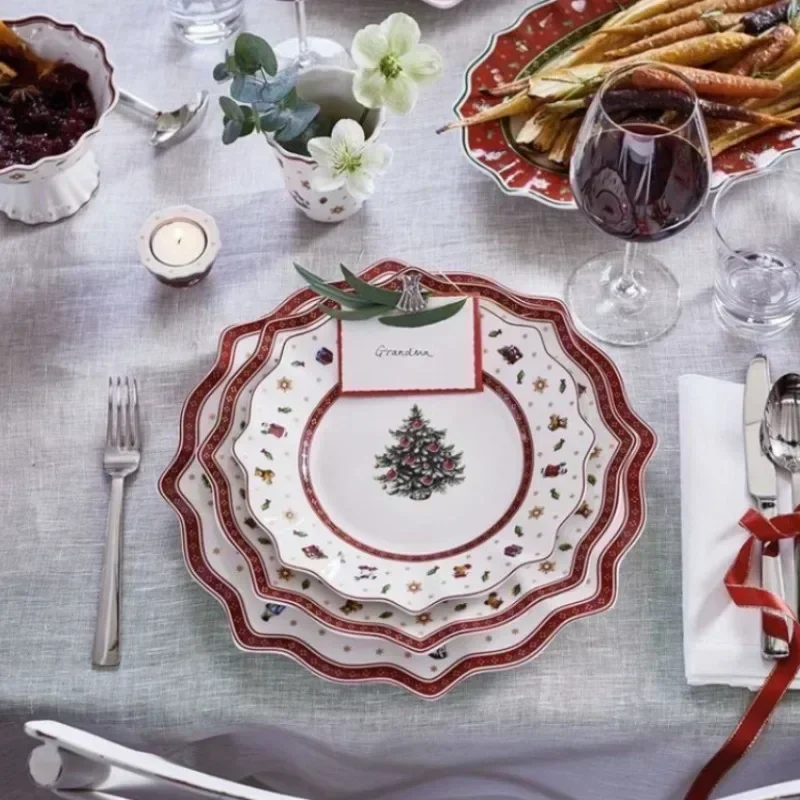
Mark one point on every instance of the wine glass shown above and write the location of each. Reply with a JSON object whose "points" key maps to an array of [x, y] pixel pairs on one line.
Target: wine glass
{"points": [[307, 51], [640, 171]]}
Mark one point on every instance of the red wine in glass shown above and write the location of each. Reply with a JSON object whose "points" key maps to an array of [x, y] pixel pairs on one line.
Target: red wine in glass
{"points": [[640, 182]]}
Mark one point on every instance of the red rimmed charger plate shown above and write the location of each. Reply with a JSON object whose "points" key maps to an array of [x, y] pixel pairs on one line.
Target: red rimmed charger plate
{"points": [[543, 31], [248, 639], [300, 651], [614, 407]]}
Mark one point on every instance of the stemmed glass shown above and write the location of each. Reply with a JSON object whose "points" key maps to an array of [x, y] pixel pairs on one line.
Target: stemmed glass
{"points": [[640, 171], [305, 50]]}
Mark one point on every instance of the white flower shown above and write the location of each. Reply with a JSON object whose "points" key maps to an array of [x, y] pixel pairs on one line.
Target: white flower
{"points": [[345, 159], [391, 62]]}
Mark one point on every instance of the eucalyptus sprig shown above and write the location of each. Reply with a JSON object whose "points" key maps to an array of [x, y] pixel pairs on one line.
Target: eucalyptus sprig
{"points": [[366, 301], [265, 100]]}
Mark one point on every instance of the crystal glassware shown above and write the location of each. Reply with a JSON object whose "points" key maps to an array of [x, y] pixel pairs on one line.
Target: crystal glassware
{"points": [[640, 171], [756, 221], [307, 51], [205, 21]]}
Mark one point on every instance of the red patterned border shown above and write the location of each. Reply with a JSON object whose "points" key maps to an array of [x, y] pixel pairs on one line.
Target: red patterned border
{"points": [[551, 310], [299, 651], [545, 25], [525, 479]]}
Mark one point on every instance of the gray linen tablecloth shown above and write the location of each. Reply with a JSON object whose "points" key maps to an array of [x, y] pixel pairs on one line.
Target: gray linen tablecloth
{"points": [[76, 307]]}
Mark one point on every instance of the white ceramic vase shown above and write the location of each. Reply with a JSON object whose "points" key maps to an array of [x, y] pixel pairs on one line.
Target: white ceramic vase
{"points": [[332, 89], [57, 186]]}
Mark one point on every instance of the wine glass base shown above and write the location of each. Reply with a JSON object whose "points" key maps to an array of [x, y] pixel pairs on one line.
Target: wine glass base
{"points": [[620, 312], [320, 52]]}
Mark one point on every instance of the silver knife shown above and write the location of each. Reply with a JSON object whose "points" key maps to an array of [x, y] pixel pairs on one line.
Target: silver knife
{"points": [[762, 483]]}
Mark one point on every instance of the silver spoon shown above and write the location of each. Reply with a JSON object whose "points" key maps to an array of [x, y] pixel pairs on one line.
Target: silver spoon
{"points": [[171, 127], [780, 437]]}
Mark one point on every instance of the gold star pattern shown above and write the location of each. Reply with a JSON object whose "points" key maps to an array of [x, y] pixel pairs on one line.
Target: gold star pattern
{"points": [[546, 566], [284, 384], [289, 515], [424, 618], [414, 587], [285, 574], [539, 385], [337, 210], [535, 512]]}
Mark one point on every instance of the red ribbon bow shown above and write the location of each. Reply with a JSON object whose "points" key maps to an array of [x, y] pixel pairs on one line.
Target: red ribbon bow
{"points": [[769, 532]]}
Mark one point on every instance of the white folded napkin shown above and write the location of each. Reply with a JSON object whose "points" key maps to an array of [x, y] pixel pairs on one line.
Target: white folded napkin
{"points": [[721, 643]]}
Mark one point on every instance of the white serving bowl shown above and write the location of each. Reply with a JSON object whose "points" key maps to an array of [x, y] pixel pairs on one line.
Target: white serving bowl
{"points": [[56, 186]]}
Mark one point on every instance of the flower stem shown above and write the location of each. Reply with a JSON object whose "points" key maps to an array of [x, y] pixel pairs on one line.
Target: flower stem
{"points": [[364, 115]]}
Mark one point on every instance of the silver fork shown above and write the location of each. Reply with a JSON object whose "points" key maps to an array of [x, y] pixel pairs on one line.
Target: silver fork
{"points": [[120, 459]]}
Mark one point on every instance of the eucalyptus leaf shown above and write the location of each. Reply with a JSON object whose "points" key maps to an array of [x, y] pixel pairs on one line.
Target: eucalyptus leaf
{"points": [[253, 53], [420, 319], [221, 73], [383, 297], [278, 90], [331, 292], [230, 63], [247, 50], [290, 101], [274, 119], [354, 314], [232, 131], [300, 118], [248, 126], [231, 109]]}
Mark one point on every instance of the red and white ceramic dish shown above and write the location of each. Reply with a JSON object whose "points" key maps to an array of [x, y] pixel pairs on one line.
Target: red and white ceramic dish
{"points": [[275, 628], [57, 186], [541, 33], [447, 619], [316, 482]]}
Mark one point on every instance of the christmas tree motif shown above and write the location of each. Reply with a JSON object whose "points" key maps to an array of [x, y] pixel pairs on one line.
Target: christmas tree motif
{"points": [[419, 463]]}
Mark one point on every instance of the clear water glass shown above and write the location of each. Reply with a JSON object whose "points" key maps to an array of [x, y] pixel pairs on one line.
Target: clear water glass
{"points": [[756, 221], [205, 21]]}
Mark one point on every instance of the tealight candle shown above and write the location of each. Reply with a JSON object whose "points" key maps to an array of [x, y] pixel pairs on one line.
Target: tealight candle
{"points": [[178, 245]]}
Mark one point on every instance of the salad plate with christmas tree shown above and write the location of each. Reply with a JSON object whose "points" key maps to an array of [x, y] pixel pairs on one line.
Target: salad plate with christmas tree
{"points": [[412, 500]]}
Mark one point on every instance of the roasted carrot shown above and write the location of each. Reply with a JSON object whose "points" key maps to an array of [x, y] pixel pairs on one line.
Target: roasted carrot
{"points": [[742, 133], [697, 27], [520, 104], [625, 100], [765, 18], [724, 111], [541, 127], [646, 11], [790, 55], [706, 82], [767, 51], [696, 51], [562, 146], [505, 89], [661, 23]]}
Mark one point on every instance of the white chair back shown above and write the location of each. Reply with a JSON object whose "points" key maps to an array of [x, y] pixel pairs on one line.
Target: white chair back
{"points": [[77, 765], [790, 790]]}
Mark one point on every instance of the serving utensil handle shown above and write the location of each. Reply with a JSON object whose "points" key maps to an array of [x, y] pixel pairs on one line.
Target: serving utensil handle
{"points": [[137, 104]]}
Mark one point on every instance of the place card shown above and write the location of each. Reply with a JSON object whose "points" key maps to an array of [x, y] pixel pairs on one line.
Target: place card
{"points": [[377, 359]]}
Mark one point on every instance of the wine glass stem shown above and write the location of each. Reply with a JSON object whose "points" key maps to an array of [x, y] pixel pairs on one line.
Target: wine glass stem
{"points": [[303, 57], [626, 285]]}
